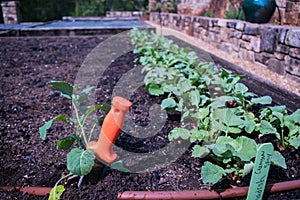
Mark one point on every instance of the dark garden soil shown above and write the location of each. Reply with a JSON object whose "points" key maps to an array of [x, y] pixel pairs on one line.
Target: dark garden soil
{"points": [[27, 101]]}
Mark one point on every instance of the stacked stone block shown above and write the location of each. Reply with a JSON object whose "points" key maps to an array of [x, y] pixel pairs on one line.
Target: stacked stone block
{"points": [[11, 12], [290, 12]]}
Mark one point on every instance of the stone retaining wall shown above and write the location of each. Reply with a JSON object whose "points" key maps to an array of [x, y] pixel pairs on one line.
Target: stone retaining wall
{"points": [[276, 47]]}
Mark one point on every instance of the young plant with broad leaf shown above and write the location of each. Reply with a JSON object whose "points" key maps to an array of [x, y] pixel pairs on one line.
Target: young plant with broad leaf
{"points": [[79, 160]]}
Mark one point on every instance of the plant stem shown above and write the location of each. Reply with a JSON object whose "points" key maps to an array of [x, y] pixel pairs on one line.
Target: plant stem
{"points": [[54, 188], [66, 176], [92, 131], [79, 122], [282, 138]]}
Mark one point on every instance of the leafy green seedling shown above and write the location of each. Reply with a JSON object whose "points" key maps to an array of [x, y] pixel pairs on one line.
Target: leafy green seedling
{"points": [[276, 120], [79, 160]]}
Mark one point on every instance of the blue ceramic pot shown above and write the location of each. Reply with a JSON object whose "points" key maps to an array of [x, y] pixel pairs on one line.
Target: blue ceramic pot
{"points": [[259, 11]]}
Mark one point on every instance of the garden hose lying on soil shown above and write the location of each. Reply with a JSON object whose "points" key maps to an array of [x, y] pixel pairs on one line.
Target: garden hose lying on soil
{"points": [[193, 194], [206, 194]]}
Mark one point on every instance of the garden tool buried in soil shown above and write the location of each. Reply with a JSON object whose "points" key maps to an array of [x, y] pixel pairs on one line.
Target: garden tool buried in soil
{"points": [[110, 130]]}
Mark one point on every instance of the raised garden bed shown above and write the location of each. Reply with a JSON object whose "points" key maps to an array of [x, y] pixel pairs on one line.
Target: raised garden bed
{"points": [[73, 26], [27, 66]]}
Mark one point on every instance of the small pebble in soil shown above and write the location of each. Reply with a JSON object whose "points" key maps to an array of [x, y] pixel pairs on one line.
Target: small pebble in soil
{"points": [[29, 157]]}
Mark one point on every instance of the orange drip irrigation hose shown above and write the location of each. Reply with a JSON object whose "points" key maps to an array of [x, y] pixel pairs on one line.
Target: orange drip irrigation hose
{"points": [[206, 194], [36, 191], [197, 194]]}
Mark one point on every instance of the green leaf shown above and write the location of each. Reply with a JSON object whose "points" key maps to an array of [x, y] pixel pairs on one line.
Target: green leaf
{"points": [[216, 126], [203, 112], [240, 88], [64, 87], [198, 135], [168, 103], [179, 132], [222, 150], [56, 192], [74, 120], [249, 122], [61, 117], [265, 112], [225, 72], [229, 170], [242, 147], [225, 147], [184, 133], [295, 142], [80, 162], [118, 165], [173, 135], [66, 142], [294, 117], [228, 117], [203, 100], [262, 100], [81, 99], [226, 140], [232, 119], [200, 151], [194, 97], [184, 85], [83, 95], [100, 121], [92, 109], [105, 107], [279, 116], [221, 101], [278, 160], [294, 129], [234, 130], [267, 128], [246, 149], [155, 89], [249, 126], [281, 109], [43, 129], [211, 173], [86, 91]]}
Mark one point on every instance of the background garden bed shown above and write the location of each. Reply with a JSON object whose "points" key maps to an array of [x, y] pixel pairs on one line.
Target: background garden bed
{"points": [[27, 101]]}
